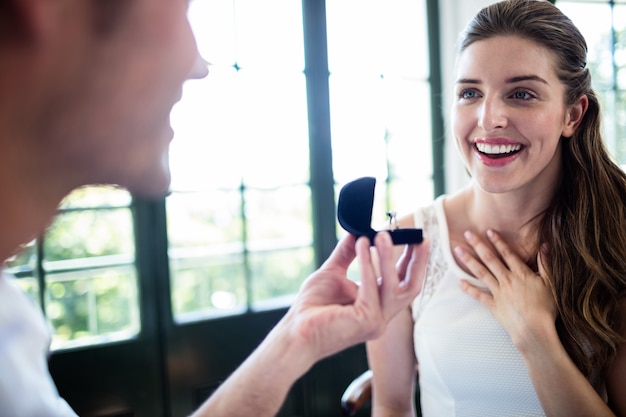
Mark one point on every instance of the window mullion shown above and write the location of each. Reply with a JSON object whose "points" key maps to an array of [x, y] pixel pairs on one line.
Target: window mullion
{"points": [[436, 97], [322, 178]]}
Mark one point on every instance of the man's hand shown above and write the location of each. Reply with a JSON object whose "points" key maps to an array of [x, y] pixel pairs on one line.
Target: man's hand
{"points": [[332, 312]]}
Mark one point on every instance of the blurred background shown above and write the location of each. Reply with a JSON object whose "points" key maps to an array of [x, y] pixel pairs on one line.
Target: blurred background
{"points": [[163, 299]]}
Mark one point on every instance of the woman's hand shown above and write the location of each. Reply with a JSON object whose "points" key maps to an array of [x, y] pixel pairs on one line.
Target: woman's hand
{"points": [[520, 299]]}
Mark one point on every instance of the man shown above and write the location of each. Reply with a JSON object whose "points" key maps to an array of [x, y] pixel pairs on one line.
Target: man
{"points": [[86, 88]]}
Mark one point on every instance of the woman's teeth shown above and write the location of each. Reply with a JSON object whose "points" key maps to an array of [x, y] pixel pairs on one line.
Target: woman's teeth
{"points": [[490, 149]]}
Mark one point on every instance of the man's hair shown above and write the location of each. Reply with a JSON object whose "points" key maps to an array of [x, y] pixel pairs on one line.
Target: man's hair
{"points": [[107, 15], [11, 22]]}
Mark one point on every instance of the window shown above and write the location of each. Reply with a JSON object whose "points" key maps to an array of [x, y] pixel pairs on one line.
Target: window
{"points": [[239, 215], [301, 98], [252, 161], [606, 41], [380, 99], [82, 272]]}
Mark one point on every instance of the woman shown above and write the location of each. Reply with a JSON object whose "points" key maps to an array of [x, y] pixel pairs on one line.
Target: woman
{"points": [[523, 307]]}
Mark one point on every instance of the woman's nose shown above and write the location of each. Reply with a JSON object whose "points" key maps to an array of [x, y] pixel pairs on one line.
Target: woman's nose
{"points": [[200, 68], [492, 115]]}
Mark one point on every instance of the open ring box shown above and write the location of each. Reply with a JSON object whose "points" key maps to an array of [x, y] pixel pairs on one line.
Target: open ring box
{"points": [[354, 212]]}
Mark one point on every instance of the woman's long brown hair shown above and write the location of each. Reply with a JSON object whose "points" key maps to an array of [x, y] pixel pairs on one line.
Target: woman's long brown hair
{"points": [[584, 227]]}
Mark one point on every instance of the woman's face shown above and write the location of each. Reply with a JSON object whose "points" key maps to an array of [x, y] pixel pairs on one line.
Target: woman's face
{"points": [[509, 115]]}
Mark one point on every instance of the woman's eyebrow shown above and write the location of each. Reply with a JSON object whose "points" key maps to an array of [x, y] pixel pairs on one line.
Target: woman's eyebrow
{"points": [[519, 78], [516, 79], [467, 81]]}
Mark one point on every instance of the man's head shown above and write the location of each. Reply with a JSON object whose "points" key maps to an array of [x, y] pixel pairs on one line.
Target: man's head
{"points": [[88, 86]]}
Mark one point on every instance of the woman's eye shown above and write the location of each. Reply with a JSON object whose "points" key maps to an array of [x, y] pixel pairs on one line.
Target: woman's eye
{"points": [[522, 95], [468, 94]]}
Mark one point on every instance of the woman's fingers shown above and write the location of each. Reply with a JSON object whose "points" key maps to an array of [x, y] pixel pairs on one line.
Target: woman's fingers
{"points": [[477, 267], [510, 258], [489, 258], [478, 294]]}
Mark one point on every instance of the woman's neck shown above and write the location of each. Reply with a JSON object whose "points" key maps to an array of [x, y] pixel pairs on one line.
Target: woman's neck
{"points": [[513, 215]]}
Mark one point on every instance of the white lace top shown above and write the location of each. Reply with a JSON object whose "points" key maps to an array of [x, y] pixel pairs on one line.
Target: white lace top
{"points": [[468, 365]]}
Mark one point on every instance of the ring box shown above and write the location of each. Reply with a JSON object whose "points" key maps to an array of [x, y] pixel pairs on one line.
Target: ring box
{"points": [[354, 212]]}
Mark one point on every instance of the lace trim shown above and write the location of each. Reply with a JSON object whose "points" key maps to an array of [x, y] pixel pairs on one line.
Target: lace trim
{"points": [[437, 266]]}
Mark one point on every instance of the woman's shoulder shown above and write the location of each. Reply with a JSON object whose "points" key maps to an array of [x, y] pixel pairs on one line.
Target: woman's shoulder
{"points": [[423, 215]]}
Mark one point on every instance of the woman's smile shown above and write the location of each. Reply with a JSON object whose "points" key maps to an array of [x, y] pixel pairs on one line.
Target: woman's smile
{"points": [[498, 152]]}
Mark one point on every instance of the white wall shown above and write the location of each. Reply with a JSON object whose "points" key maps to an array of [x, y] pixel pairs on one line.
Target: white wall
{"points": [[454, 16]]}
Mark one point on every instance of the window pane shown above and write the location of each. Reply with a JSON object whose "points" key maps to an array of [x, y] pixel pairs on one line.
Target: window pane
{"points": [[378, 37], [279, 217], [277, 275], [235, 125], [272, 131], [380, 99], [23, 265], [358, 127], [240, 159], [90, 233], [201, 219], [91, 280], [619, 21], [606, 39], [598, 37], [206, 253], [97, 196], [279, 236], [87, 269], [269, 33], [210, 285], [92, 306]]}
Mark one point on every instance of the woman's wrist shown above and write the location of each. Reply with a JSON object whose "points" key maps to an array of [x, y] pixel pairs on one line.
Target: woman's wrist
{"points": [[540, 342]]}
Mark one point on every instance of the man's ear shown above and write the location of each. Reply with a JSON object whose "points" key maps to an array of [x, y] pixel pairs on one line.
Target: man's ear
{"points": [[12, 22], [574, 116]]}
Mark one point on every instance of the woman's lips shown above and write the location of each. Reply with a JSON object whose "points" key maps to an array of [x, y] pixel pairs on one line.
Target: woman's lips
{"points": [[497, 153]]}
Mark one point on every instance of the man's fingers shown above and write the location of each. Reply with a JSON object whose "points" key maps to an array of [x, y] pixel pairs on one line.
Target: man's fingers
{"points": [[368, 290], [416, 269], [403, 262], [343, 254], [386, 257], [397, 293]]}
